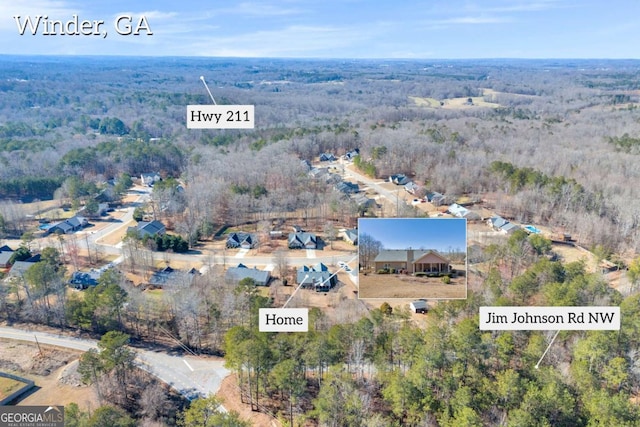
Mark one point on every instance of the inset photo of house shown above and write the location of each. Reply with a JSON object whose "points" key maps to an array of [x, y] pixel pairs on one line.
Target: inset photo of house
{"points": [[412, 258]]}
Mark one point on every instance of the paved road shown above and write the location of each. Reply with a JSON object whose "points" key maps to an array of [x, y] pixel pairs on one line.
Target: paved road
{"points": [[191, 376]]}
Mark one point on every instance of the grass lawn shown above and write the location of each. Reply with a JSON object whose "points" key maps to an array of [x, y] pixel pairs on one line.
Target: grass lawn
{"points": [[8, 386]]}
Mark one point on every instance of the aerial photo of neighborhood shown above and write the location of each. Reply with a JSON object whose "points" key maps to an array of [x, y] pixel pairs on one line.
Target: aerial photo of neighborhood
{"points": [[320, 214]]}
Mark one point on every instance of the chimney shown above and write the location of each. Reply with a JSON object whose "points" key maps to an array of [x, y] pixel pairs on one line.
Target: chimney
{"points": [[409, 256]]}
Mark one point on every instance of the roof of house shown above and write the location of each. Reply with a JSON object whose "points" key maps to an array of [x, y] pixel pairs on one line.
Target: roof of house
{"points": [[5, 256], [399, 179], [150, 175], [327, 157], [240, 239], [169, 276], [69, 224], [154, 227], [347, 187], [5, 248], [352, 234], [363, 200], [509, 226], [498, 221], [411, 186], [303, 238], [400, 255], [85, 278], [316, 274], [419, 304], [435, 196], [236, 274], [457, 210], [19, 267]]}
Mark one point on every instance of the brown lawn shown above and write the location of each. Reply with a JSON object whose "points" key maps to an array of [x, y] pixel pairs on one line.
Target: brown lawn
{"points": [[401, 286]]}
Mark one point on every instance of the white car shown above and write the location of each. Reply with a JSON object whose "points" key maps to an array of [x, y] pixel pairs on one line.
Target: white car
{"points": [[342, 264]]}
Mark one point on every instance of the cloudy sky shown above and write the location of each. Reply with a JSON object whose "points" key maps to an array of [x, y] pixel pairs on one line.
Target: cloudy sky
{"points": [[337, 28]]}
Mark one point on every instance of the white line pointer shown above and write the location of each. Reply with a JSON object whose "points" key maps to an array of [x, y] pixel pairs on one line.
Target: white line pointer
{"points": [[548, 347]]}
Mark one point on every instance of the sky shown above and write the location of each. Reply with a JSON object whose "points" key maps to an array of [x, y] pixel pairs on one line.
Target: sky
{"points": [[434, 29], [443, 235]]}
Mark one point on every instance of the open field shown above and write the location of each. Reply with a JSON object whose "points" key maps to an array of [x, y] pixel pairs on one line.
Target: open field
{"points": [[455, 103], [401, 286]]}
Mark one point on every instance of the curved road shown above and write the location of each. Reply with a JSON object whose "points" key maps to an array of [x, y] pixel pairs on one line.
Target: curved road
{"points": [[190, 376]]}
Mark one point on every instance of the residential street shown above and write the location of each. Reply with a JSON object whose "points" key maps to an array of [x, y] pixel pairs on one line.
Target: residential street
{"points": [[191, 376]]}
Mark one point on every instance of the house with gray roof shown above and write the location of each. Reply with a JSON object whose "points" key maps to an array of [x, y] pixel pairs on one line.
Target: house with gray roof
{"points": [[20, 267], [236, 274], [82, 280], [347, 187], [327, 157], [144, 228], [351, 236], [462, 212], [303, 240], [68, 225], [149, 178], [169, 276], [502, 225], [399, 179], [241, 240], [317, 277], [436, 199], [411, 187], [5, 255], [412, 261]]}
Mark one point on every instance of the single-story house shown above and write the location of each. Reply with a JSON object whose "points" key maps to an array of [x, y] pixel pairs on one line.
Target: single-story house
{"points": [[68, 225], [170, 276], [327, 157], [419, 306], [236, 274], [82, 280], [364, 202], [351, 236], [347, 187], [317, 277], [319, 173], [149, 178], [144, 228], [411, 187], [20, 267], [5, 255], [462, 212], [509, 228], [436, 199], [303, 240], [496, 222], [412, 261], [242, 240], [399, 179], [351, 154]]}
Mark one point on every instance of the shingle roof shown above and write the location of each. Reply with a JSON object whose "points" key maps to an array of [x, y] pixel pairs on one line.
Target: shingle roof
{"points": [[301, 239], [400, 255], [236, 274], [152, 228]]}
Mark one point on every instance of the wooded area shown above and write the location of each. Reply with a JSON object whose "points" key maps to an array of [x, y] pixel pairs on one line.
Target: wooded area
{"points": [[559, 148]]}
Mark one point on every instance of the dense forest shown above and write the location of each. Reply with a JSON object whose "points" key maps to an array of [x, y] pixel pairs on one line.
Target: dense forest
{"points": [[96, 118]]}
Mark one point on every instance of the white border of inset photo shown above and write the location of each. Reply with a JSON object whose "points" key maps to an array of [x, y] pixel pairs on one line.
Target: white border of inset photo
{"points": [[412, 258]]}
